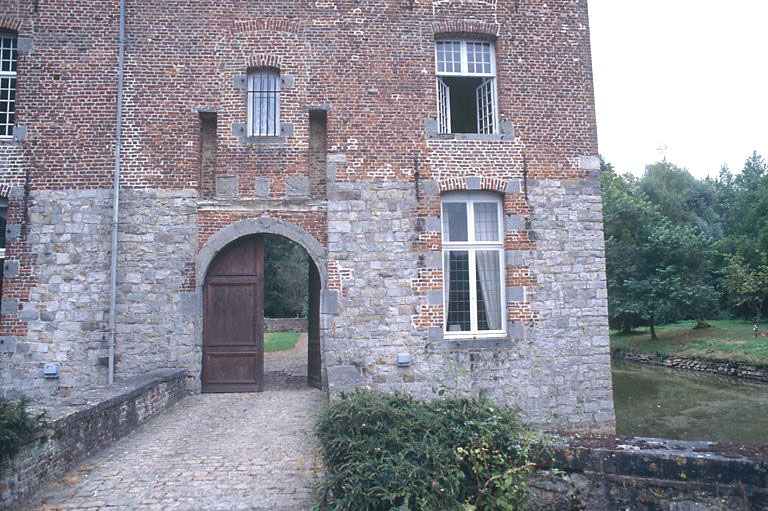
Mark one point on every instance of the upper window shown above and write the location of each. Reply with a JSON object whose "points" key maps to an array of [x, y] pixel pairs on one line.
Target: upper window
{"points": [[473, 251], [264, 103], [466, 87], [8, 55]]}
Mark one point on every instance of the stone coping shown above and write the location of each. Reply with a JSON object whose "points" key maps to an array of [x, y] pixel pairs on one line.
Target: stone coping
{"points": [[613, 472], [699, 462], [99, 399]]}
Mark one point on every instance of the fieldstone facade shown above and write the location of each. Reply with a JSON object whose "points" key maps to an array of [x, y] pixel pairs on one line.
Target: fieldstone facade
{"points": [[355, 175]]}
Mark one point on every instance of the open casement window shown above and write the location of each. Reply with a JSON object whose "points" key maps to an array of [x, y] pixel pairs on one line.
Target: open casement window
{"points": [[8, 57], [473, 263], [466, 87], [264, 103]]}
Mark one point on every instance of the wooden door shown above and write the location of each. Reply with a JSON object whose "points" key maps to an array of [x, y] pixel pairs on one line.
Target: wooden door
{"points": [[233, 323], [314, 378]]}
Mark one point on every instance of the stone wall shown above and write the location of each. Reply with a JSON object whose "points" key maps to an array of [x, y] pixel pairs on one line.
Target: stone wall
{"points": [[66, 310], [86, 423], [636, 474], [553, 363], [721, 367], [285, 324]]}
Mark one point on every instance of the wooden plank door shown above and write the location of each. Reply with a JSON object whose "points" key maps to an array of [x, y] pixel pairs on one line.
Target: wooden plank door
{"points": [[314, 377], [233, 323]]}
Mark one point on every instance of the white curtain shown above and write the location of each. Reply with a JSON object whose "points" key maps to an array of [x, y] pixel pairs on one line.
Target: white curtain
{"points": [[488, 277], [486, 221]]}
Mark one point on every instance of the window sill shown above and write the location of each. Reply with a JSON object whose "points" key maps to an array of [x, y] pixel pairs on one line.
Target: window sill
{"points": [[440, 340], [506, 133], [496, 137], [279, 140], [474, 343]]}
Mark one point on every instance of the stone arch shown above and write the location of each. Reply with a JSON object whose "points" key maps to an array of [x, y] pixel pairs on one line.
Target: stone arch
{"points": [[262, 225], [266, 225]]}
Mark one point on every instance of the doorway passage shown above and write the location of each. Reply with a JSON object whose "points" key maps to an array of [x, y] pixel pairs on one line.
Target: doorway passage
{"points": [[251, 274]]}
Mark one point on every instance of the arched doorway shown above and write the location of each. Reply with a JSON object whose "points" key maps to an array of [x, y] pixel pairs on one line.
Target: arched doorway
{"points": [[233, 319]]}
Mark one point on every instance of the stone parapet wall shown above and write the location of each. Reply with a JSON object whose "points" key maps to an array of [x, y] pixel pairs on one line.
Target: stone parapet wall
{"points": [[285, 324], [722, 367], [651, 474], [86, 423]]}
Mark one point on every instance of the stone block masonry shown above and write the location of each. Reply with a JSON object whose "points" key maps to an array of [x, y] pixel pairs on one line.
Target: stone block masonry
{"points": [[355, 174], [64, 312]]}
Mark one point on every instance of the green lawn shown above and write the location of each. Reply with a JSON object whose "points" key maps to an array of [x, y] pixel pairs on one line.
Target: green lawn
{"points": [[726, 340], [279, 341]]}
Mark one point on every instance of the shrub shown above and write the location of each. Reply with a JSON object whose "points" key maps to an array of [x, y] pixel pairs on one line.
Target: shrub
{"points": [[17, 427], [389, 451]]}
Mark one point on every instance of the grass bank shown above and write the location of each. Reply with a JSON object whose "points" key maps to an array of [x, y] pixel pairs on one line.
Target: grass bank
{"points": [[279, 341], [731, 340]]}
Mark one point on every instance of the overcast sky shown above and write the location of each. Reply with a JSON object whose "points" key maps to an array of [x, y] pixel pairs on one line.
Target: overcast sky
{"points": [[689, 77]]}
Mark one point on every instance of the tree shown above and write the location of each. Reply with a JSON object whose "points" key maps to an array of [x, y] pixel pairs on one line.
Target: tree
{"points": [[656, 271], [286, 278], [681, 198], [747, 287]]}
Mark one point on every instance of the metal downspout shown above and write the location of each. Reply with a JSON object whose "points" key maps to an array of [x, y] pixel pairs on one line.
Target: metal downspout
{"points": [[116, 200]]}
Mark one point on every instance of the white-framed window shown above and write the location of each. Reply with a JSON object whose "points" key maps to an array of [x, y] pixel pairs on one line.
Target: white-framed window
{"points": [[466, 86], [264, 103], [8, 58], [473, 264]]}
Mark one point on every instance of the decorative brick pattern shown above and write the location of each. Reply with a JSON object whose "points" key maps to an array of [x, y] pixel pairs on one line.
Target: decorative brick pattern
{"points": [[428, 315], [337, 276], [429, 242], [520, 276], [429, 279], [518, 240]]}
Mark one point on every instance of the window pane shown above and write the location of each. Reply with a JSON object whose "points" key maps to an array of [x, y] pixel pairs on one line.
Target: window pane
{"points": [[8, 54], [264, 103], [455, 221], [478, 57], [486, 221], [489, 312], [486, 101], [456, 267], [448, 56]]}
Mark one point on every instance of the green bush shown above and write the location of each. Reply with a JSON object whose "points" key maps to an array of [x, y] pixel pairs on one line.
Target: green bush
{"points": [[389, 451], [17, 427]]}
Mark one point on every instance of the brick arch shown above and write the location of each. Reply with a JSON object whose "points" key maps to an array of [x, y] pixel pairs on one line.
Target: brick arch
{"points": [[480, 183], [5, 190], [10, 23], [268, 25], [264, 60], [465, 28]]}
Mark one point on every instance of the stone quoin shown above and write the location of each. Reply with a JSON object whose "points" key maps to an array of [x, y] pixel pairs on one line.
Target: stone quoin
{"points": [[437, 159]]}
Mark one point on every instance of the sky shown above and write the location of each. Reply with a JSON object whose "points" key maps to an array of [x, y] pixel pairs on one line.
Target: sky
{"points": [[682, 79]]}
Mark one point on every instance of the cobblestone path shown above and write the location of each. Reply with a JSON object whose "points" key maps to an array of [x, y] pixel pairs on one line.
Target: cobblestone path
{"points": [[210, 451]]}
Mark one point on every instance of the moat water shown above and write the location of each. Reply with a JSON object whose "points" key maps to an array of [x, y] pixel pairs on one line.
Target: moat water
{"points": [[659, 402]]}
